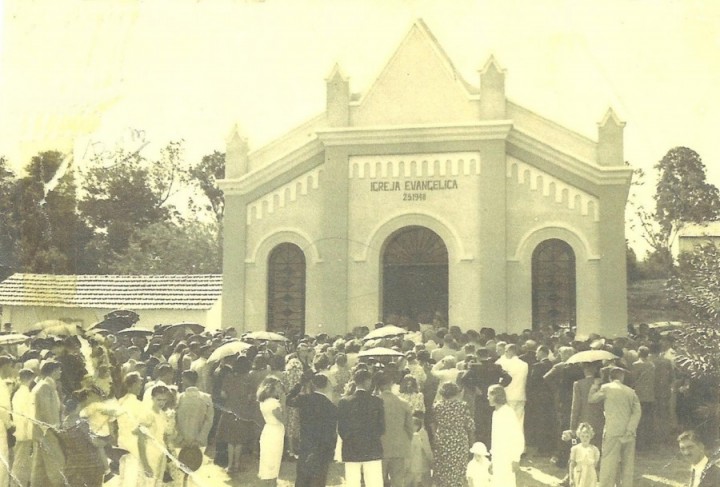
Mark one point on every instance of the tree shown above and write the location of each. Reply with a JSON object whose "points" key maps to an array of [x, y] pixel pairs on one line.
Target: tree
{"points": [[205, 175], [50, 236], [126, 193], [170, 248], [8, 229], [682, 193], [695, 289]]}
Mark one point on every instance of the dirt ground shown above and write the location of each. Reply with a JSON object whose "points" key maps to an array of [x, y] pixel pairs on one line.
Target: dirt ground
{"points": [[660, 467]]}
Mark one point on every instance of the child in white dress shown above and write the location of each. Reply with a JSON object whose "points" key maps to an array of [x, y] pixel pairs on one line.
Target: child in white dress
{"points": [[584, 458], [478, 470], [421, 455]]}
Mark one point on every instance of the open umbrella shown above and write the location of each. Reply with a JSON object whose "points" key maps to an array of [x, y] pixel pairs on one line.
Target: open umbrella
{"points": [[41, 325], [267, 336], [590, 356], [228, 349], [61, 330], [380, 352], [179, 330], [117, 320], [384, 332], [135, 332], [13, 339]]}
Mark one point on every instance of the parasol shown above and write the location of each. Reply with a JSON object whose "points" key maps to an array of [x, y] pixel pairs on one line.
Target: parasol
{"points": [[135, 332], [13, 339], [268, 336], [61, 330], [590, 356], [385, 331], [41, 325], [228, 349], [380, 352], [117, 320]]}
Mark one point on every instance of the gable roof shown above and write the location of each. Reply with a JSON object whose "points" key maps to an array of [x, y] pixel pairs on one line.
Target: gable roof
{"points": [[192, 291], [419, 84]]}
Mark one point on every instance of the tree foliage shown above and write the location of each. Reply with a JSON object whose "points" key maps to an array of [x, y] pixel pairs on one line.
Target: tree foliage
{"points": [[205, 176], [169, 248], [125, 213], [126, 192], [683, 194], [695, 289], [50, 236]]}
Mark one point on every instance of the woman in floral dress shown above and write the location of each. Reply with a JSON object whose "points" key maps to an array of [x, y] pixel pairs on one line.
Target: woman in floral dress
{"points": [[291, 377], [454, 427]]}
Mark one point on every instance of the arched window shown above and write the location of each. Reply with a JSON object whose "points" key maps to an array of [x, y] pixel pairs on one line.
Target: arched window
{"points": [[553, 284], [286, 290], [415, 276]]}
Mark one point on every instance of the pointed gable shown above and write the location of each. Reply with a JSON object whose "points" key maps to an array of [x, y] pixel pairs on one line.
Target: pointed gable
{"points": [[419, 85]]}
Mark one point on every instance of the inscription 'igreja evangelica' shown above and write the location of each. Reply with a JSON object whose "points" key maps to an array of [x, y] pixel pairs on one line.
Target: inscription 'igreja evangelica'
{"points": [[414, 185]]}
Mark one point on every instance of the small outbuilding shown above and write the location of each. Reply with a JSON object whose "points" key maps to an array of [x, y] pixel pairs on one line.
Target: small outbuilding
{"points": [[86, 299]]}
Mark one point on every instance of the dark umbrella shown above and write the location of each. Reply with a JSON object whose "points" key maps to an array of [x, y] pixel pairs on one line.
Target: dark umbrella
{"points": [[118, 320]]}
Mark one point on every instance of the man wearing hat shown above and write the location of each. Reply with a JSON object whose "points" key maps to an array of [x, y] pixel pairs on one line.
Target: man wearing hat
{"points": [[621, 408]]}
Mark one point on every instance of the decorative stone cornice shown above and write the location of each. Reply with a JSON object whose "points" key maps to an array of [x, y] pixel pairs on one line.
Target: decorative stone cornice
{"points": [[551, 187], [414, 165], [598, 175], [252, 180], [284, 195], [496, 129]]}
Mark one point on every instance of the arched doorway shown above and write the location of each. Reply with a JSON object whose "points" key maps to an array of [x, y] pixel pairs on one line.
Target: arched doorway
{"points": [[415, 276], [286, 290], [553, 284]]}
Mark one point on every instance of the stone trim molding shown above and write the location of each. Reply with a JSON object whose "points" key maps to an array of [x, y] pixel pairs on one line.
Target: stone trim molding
{"points": [[406, 134], [285, 235], [560, 230], [371, 249], [523, 173], [414, 165], [284, 195]]}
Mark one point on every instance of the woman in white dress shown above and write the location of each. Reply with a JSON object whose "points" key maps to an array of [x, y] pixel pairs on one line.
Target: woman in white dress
{"points": [[269, 396]]}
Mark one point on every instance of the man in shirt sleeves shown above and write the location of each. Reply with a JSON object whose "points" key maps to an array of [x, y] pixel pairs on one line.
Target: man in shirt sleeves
{"points": [[48, 458], [318, 425], [361, 424], [621, 408]]}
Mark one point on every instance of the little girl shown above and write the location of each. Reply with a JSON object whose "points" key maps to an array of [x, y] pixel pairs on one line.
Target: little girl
{"points": [[584, 458], [421, 455], [478, 470]]}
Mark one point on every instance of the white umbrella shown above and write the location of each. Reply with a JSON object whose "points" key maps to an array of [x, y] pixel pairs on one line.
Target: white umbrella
{"points": [[136, 331], [590, 356], [13, 339], [384, 332], [380, 352], [227, 350], [268, 336]]}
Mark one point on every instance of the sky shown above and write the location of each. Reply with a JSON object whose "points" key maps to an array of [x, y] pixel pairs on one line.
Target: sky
{"points": [[85, 76]]}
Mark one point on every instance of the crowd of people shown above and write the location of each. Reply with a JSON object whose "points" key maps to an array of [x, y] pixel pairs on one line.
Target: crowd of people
{"points": [[440, 406]]}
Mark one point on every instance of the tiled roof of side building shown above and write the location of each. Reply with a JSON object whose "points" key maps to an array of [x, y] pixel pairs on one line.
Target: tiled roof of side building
{"points": [[191, 291]]}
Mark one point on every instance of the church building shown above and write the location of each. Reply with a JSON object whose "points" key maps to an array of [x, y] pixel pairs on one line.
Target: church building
{"points": [[427, 198]]}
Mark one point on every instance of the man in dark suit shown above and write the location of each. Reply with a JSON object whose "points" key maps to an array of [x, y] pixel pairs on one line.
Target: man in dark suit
{"points": [[482, 375], [318, 424], [540, 420], [582, 411], [703, 473], [361, 424]]}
